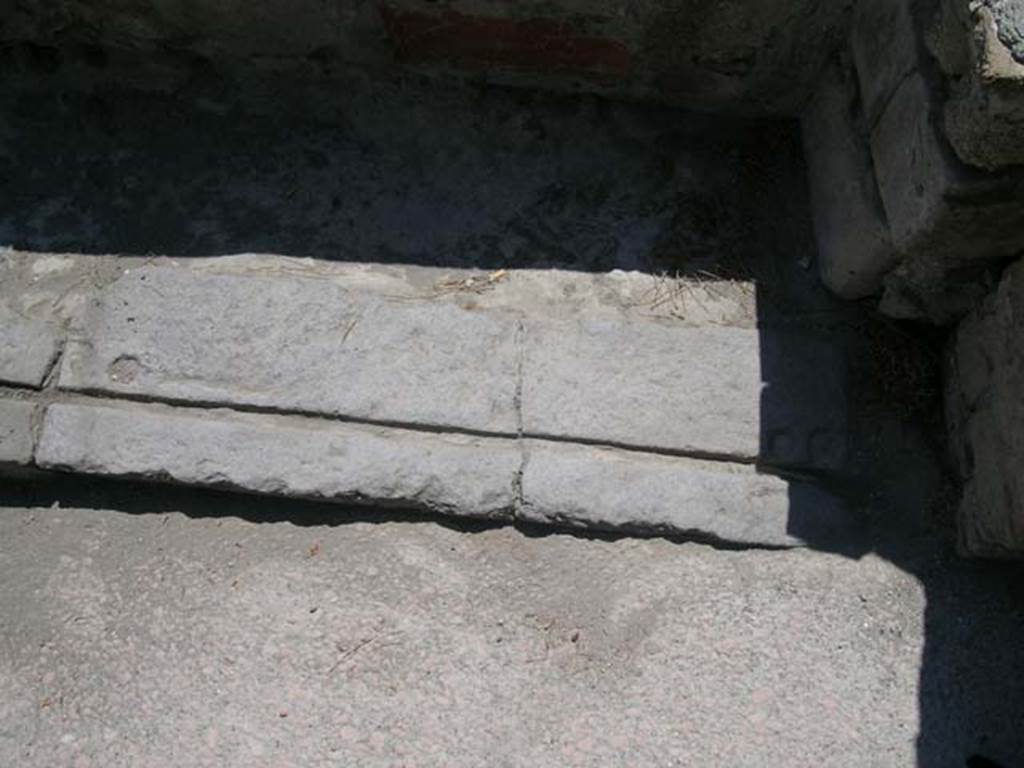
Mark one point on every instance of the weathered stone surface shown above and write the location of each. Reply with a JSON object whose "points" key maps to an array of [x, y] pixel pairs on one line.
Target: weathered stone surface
{"points": [[643, 384], [28, 348], [749, 394], [308, 345], [296, 344], [606, 488], [755, 56], [854, 247], [285, 456], [558, 483], [913, 171], [985, 415], [1009, 21], [16, 432], [946, 219], [884, 40], [978, 47]]}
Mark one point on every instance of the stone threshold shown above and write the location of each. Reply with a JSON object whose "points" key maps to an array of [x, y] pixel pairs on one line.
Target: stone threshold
{"points": [[366, 387], [496, 478]]}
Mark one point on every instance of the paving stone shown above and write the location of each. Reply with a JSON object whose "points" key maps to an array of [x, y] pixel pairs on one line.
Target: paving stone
{"points": [[16, 432], [285, 456], [614, 489], [750, 394], [296, 344], [28, 348]]}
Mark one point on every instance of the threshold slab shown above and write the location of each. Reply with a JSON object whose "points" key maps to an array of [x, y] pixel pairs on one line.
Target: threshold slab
{"points": [[283, 456]]}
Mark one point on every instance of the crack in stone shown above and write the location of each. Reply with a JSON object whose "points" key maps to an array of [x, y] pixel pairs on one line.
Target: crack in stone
{"points": [[58, 395], [49, 381], [517, 480]]}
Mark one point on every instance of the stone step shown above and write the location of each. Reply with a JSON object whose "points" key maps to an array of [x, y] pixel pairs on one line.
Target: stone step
{"points": [[28, 348], [318, 347], [16, 442], [498, 395], [533, 481]]}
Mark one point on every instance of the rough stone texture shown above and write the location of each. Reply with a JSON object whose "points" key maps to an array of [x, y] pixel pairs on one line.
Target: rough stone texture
{"points": [[575, 485], [751, 56], [985, 413], [283, 456], [1009, 19], [884, 39], [914, 172], [979, 48], [946, 220], [603, 488], [280, 639], [28, 348], [311, 345], [295, 344], [949, 221], [855, 250], [712, 391], [16, 432], [643, 384]]}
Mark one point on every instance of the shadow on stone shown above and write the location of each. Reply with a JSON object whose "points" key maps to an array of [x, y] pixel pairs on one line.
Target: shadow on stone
{"points": [[493, 179]]}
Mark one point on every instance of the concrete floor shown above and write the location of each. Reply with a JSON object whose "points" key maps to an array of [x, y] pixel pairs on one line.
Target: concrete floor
{"points": [[145, 626]]}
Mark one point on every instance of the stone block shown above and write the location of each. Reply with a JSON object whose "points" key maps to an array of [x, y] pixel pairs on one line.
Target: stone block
{"points": [[284, 456], [914, 172], [854, 247], [594, 487], [981, 52], [28, 347], [985, 416], [946, 219], [766, 395], [16, 432], [296, 344], [884, 39]]}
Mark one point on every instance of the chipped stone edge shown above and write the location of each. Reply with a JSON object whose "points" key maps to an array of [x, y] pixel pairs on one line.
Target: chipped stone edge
{"points": [[521, 506]]}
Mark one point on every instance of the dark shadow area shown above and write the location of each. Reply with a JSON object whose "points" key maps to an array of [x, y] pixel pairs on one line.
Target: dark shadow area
{"points": [[132, 497], [411, 171], [401, 171], [856, 400], [136, 497]]}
